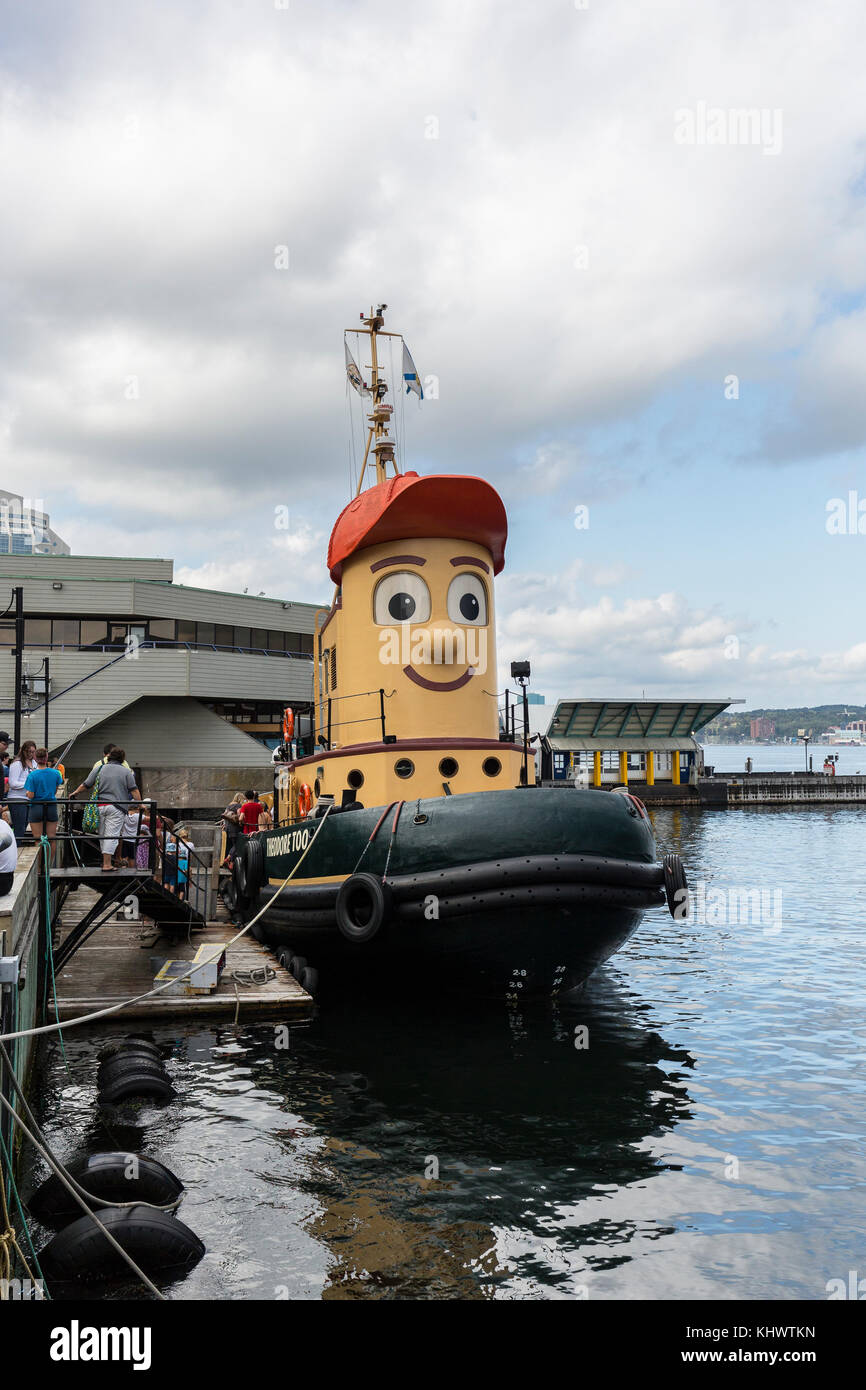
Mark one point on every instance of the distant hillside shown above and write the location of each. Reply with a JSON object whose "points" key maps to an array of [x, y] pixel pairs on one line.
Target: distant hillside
{"points": [[734, 728]]}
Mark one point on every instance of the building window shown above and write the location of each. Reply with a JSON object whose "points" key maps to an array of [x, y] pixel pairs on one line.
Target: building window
{"points": [[161, 629], [94, 632], [259, 637], [185, 631], [241, 637], [37, 632], [276, 641], [306, 639], [66, 632], [204, 634]]}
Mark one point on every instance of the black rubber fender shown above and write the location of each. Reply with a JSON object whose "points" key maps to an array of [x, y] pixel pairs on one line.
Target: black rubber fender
{"points": [[239, 874], [363, 905], [115, 1177], [128, 1064], [229, 895], [156, 1240], [136, 1081], [254, 857], [130, 1044], [676, 887]]}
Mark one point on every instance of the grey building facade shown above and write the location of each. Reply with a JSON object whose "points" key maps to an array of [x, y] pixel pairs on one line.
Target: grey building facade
{"points": [[190, 682]]}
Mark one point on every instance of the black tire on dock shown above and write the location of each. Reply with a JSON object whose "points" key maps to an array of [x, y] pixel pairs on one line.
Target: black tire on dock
{"points": [[156, 1241], [136, 1081], [310, 980], [239, 876], [676, 887], [115, 1177], [297, 966], [285, 958], [363, 904], [254, 854]]}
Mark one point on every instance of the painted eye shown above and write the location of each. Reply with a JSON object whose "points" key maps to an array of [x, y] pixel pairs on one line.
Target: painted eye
{"points": [[467, 600], [401, 597]]}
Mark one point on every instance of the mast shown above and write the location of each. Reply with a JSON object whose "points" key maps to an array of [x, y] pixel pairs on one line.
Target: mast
{"points": [[378, 437]]}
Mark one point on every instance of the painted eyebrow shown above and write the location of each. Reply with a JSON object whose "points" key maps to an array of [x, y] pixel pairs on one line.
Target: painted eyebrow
{"points": [[398, 560], [470, 560]]}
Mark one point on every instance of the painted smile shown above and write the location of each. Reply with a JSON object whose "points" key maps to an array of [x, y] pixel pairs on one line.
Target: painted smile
{"points": [[426, 684]]}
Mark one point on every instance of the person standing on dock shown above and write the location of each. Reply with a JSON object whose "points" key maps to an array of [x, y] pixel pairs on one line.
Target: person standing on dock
{"points": [[4, 750], [116, 790], [8, 856], [41, 791], [251, 811], [19, 769]]}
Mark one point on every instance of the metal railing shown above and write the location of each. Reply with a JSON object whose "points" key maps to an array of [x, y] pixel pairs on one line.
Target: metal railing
{"points": [[170, 861]]}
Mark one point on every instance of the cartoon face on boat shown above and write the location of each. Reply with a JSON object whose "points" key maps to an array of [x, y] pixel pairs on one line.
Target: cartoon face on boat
{"points": [[415, 559]]}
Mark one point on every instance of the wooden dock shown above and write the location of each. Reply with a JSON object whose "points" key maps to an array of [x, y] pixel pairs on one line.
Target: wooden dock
{"points": [[115, 964]]}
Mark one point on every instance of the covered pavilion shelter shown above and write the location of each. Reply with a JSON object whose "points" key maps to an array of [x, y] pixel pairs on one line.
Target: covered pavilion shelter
{"points": [[611, 742]]}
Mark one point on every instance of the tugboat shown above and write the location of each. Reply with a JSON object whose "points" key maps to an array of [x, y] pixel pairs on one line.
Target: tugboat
{"points": [[414, 840]]}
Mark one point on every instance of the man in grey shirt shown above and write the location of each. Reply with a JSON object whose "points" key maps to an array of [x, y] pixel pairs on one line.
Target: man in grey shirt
{"points": [[115, 782]]}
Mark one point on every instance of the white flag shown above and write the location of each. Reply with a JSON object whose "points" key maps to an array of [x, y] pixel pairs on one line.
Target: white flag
{"points": [[410, 375], [354, 374]]}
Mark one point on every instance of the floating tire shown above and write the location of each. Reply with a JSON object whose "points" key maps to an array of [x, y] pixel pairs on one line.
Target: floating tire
{"points": [[310, 980], [156, 1240], [128, 1064], [676, 887], [115, 1177], [363, 904], [136, 1081], [130, 1044]]}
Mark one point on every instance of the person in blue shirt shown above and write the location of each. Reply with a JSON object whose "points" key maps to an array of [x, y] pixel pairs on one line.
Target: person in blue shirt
{"points": [[41, 791]]}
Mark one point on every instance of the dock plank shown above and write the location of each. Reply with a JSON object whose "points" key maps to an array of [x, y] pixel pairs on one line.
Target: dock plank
{"points": [[114, 964]]}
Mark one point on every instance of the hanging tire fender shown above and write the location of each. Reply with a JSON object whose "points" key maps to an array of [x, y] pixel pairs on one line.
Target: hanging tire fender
{"points": [[676, 887], [364, 903]]}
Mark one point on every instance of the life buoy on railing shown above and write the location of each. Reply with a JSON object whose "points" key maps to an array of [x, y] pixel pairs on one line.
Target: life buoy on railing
{"points": [[288, 725], [305, 799]]}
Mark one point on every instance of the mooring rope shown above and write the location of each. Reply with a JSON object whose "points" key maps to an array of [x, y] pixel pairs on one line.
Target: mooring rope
{"points": [[148, 993]]}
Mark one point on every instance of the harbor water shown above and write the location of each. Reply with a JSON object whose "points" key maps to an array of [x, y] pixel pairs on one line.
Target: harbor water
{"points": [[690, 1125]]}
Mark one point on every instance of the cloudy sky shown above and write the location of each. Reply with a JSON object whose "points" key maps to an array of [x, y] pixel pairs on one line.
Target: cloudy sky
{"points": [[624, 297]]}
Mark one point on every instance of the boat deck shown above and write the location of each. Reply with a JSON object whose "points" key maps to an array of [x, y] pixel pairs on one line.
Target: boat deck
{"points": [[115, 964]]}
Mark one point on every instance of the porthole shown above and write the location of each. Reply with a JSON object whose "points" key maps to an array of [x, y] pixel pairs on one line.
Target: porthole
{"points": [[404, 767], [317, 787], [449, 767], [355, 778], [491, 767]]}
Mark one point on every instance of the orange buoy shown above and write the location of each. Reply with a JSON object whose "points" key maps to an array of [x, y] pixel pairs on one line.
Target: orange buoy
{"points": [[288, 725], [305, 799]]}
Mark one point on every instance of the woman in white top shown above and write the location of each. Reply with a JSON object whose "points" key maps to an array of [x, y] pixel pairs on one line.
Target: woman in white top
{"points": [[19, 806], [8, 857]]}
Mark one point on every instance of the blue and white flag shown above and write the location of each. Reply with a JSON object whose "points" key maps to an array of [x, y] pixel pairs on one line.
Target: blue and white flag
{"points": [[354, 374], [410, 375]]}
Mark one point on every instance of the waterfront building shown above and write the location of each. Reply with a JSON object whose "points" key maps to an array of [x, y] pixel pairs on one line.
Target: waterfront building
{"points": [[191, 682], [626, 742], [762, 727]]}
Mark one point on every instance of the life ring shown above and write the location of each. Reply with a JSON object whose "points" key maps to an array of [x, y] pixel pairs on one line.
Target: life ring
{"points": [[288, 725], [305, 799], [155, 1240], [363, 904]]}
